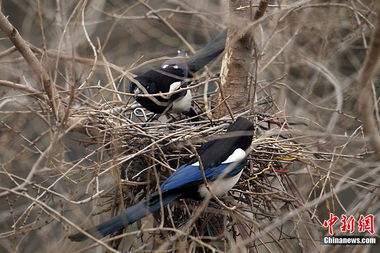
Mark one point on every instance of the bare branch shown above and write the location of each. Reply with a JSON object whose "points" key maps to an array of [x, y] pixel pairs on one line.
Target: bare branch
{"points": [[366, 97], [34, 63], [32, 92]]}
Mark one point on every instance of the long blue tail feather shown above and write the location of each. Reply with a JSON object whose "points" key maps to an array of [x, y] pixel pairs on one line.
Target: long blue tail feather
{"points": [[129, 216]]}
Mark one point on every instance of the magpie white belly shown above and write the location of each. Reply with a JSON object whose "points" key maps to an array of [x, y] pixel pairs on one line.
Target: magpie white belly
{"points": [[219, 187]]}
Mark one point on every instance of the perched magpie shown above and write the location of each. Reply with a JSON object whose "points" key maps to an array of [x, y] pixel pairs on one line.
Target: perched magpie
{"points": [[223, 160], [171, 76]]}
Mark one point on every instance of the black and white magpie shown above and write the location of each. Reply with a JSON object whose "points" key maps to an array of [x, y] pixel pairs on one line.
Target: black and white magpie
{"points": [[172, 75], [223, 160]]}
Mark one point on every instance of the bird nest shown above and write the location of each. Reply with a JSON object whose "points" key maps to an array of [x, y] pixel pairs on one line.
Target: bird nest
{"points": [[141, 155]]}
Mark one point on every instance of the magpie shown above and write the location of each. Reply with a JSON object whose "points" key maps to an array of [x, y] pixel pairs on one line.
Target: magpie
{"points": [[172, 75], [222, 160]]}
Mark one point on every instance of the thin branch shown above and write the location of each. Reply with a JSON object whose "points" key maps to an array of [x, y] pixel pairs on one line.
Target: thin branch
{"points": [[56, 215], [169, 26], [32, 92], [22, 46]]}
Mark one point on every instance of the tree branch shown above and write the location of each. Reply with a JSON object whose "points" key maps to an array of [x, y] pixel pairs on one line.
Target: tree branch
{"points": [[22, 46], [237, 60], [366, 100], [33, 92]]}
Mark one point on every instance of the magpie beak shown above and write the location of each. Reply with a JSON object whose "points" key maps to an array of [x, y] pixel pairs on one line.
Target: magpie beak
{"points": [[222, 161], [171, 76]]}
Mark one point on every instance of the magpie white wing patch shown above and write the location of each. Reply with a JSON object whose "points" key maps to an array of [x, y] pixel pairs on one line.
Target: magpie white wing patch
{"points": [[174, 86], [195, 164], [236, 156], [174, 66]]}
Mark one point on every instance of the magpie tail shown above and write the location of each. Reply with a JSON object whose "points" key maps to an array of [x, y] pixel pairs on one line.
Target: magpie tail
{"points": [[129, 216], [209, 52]]}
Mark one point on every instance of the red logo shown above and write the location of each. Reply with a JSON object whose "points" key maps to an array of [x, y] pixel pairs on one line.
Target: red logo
{"points": [[330, 223], [348, 224], [365, 223]]}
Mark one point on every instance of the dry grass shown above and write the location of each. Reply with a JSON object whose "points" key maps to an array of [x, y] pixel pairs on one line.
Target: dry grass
{"points": [[75, 148]]}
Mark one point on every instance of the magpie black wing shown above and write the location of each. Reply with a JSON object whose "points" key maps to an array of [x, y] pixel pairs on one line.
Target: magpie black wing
{"points": [[214, 152]]}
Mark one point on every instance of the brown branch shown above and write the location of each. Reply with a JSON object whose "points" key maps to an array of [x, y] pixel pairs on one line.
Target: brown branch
{"points": [[261, 9], [235, 70], [33, 92], [223, 97], [184, 41], [55, 215], [8, 51], [22, 46], [366, 97]]}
